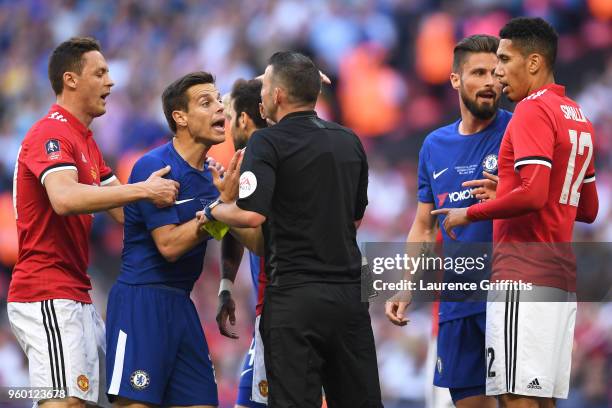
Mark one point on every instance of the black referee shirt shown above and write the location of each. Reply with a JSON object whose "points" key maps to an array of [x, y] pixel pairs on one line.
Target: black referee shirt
{"points": [[309, 177]]}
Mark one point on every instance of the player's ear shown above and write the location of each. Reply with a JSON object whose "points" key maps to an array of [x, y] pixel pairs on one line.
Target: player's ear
{"points": [[243, 120], [277, 95], [455, 80], [69, 79], [534, 63], [179, 118]]}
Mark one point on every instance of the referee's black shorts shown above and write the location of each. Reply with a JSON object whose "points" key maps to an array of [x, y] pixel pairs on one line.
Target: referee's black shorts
{"points": [[319, 335]]}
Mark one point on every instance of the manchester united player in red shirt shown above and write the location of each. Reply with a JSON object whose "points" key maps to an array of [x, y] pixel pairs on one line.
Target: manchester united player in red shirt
{"points": [[546, 182], [57, 186]]}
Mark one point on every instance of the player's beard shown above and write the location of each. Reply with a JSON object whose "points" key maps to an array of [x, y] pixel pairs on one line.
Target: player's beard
{"points": [[482, 111], [239, 137], [240, 142]]}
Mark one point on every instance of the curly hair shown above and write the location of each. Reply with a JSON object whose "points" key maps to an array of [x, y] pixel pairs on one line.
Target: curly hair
{"points": [[532, 35]]}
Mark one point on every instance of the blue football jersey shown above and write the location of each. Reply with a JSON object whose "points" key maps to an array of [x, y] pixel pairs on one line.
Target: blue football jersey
{"points": [[142, 263], [446, 160], [254, 262]]}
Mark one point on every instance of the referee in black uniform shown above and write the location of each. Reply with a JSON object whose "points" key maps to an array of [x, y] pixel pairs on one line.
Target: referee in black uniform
{"points": [[305, 180]]}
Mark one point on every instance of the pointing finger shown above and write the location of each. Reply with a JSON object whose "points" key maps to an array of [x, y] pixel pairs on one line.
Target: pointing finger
{"points": [[440, 211], [473, 183], [490, 176]]}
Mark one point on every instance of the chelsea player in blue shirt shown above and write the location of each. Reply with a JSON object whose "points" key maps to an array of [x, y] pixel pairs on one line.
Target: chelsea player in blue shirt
{"points": [[450, 158], [245, 118], [157, 353]]}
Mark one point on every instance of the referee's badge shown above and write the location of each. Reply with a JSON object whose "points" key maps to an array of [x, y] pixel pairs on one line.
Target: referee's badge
{"points": [[248, 184], [140, 380], [490, 163]]}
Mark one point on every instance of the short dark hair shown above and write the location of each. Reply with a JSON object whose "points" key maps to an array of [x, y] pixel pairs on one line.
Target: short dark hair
{"points": [[246, 97], [68, 56], [473, 44], [175, 95], [298, 74], [532, 35]]}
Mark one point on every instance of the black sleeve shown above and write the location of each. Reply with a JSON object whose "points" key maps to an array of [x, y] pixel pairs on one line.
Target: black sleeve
{"points": [[362, 187], [258, 174]]}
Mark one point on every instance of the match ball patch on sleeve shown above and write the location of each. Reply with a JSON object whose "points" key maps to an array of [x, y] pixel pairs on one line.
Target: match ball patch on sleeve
{"points": [[248, 184], [53, 149]]}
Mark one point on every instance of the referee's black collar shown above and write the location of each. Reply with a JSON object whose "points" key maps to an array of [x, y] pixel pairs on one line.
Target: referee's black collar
{"points": [[297, 114]]}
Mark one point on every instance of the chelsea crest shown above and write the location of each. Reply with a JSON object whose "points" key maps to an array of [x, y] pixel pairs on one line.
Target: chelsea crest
{"points": [[489, 163]]}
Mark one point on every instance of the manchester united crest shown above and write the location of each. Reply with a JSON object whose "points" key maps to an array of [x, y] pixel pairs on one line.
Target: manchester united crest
{"points": [[263, 388], [83, 382]]}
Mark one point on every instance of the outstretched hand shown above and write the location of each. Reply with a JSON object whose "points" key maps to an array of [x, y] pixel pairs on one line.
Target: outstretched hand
{"points": [[213, 164], [483, 189], [228, 182], [455, 217]]}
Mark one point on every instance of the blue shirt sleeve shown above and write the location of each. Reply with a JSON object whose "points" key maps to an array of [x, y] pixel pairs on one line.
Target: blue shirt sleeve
{"points": [[425, 193], [152, 216]]}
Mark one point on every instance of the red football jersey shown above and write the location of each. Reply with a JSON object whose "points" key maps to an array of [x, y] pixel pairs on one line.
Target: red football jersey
{"points": [[547, 129], [53, 249]]}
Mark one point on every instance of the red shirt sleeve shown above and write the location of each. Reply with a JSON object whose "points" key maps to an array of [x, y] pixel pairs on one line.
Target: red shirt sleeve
{"points": [[588, 206], [49, 150], [531, 195], [532, 132]]}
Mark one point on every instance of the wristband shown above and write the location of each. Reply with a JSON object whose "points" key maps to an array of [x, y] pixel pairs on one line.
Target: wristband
{"points": [[226, 284], [209, 207], [208, 213]]}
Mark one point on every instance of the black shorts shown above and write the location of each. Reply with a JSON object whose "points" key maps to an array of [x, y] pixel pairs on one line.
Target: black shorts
{"points": [[319, 336]]}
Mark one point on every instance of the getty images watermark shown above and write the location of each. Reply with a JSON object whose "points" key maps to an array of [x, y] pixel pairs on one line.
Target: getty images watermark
{"points": [[470, 271], [459, 265]]}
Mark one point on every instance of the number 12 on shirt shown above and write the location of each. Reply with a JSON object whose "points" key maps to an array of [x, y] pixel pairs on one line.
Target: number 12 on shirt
{"points": [[578, 145]]}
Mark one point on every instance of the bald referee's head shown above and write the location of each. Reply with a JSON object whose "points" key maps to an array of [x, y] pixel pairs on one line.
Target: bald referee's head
{"points": [[291, 82]]}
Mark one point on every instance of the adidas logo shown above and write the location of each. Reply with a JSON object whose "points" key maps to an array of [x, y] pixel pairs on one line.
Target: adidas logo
{"points": [[535, 384], [57, 116]]}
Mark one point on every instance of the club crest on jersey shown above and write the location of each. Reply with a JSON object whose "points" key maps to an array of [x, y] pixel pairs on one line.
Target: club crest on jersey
{"points": [[53, 149], [140, 379], [248, 184], [490, 163], [83, 382], [263, 388]]}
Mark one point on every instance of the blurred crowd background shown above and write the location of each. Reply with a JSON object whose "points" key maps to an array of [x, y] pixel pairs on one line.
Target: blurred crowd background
{"points": [[389, 61]]}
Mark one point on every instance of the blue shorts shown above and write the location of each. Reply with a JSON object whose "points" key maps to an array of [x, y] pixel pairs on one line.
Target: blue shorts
{"points": [[245, 387], [461, 363], [156, 349]]}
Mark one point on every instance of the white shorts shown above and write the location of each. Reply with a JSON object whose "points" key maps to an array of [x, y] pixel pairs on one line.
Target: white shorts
{"points": [[529, 342], [259, 391], [64, 341]]}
